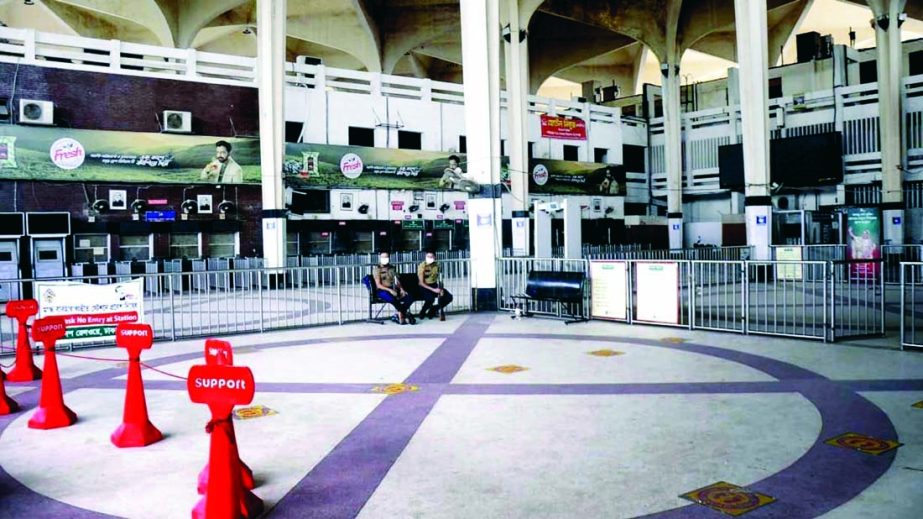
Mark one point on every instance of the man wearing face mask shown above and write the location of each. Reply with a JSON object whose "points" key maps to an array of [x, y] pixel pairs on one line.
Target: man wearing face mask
{"points": [[390, 290], [431, 288]]}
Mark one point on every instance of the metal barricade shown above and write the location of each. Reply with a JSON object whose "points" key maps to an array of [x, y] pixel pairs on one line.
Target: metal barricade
{"points": [[513, 273], [857, 299], [894, 256], [718, 295], [911, 280], [787, 298]]}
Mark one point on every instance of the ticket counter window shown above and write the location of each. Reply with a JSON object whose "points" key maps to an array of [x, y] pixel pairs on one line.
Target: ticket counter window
{"points": [[364, 242], [409, 240], [185, 245], [223, 245], [318, 243], [292, 244], [135, 247], [441, 239], [91, 248]]}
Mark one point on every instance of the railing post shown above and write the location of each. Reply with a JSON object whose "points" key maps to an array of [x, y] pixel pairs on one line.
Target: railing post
{"points": [[29, 44], [191, 59], [339, 296], [692, 289], [172, 310], [831, 276], [746, 298], [903, 308], [259, 291]]}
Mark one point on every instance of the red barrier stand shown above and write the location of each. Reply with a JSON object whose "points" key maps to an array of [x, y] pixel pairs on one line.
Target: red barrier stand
{"points": [[51, 412], [223, 387], [25, 369], [7, 404], [136, 429], [220, 353]]}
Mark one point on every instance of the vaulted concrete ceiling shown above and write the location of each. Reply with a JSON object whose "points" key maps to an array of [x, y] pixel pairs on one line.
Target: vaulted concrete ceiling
{"points": [[576, 40]]}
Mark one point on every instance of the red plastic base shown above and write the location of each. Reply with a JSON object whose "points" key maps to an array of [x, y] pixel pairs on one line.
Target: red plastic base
{"points": [[24, 373], [251, 506], [52, 418], [246, 478], [135, 435], [8, 405]]}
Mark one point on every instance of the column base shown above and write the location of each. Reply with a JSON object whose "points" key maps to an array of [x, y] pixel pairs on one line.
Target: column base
{"points": [[759, 225], [892, 224], [675, 230]]}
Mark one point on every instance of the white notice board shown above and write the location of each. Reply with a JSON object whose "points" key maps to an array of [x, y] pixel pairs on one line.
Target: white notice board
{"points": [[658, 292], [608, 290], [789, 272]]}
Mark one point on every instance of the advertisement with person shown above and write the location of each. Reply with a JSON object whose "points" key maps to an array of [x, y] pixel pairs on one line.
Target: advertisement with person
{"points": [[863, 240]]}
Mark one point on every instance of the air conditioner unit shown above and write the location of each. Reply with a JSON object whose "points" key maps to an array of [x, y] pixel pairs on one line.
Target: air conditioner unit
{"points": [[36, 112], [308, 60], [177, 122]]}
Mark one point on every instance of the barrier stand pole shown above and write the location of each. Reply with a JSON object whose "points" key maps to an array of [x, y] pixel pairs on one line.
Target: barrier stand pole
{"points": [[220, 353], [222, 387], [51, 412], [136, 429], [7, 404], [25, 369]]}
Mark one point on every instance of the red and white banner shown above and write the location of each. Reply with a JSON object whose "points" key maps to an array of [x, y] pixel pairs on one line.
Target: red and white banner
{"points": [[567, 128]]}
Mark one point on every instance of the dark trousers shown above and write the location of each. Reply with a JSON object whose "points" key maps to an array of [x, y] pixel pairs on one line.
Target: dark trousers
{"points": [[401, 304], [429, 298]]}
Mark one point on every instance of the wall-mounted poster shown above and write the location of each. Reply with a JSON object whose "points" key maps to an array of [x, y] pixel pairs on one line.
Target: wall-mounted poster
{"points": [[658, 292], [791, 272], [117, 199], [863, 228], [205, 203], [567, 128], [608, 289]]}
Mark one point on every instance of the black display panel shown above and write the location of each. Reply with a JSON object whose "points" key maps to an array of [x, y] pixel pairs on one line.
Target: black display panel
{"points": [[12, 224], [48, 223], [806, 161], [310, 202]]}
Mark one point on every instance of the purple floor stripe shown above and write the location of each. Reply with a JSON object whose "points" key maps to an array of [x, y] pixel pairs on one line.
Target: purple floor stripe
{"points": [[340, 485]]}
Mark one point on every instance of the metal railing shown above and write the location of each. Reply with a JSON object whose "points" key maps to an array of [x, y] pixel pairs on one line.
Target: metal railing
{"points": [[804, 299], [912, 305], [223, 302]]}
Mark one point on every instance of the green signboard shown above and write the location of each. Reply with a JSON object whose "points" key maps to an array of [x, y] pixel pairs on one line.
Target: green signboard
{"points": [[444, 224], [412, 225]]}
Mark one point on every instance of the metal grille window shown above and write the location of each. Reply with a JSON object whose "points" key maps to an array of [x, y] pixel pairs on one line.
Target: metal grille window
{"points": [[185, 245], [91, 248], [292, 247], [222, 245], [135, 247]]}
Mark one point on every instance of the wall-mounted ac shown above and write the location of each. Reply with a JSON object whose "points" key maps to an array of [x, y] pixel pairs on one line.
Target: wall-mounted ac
{"points": [[785, 202], [308, 60], [177, 122], [36, 112]]}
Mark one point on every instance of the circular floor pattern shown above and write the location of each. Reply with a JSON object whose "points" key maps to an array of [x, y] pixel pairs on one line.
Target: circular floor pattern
{"points": [[798, 490]]}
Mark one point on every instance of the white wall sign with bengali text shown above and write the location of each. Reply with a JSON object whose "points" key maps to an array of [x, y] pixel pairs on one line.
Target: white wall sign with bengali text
{"points": [[608, 289], [91, 312], [658, 292]]}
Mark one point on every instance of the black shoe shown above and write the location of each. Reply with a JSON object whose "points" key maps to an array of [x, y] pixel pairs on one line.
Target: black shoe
{"points": [[433, 313], [411, 319]]}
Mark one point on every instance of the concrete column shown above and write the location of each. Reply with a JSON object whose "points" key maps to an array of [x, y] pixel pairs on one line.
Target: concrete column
{"points": [[673, 150], [480, 22], [890, 59], [752, 58], [517, 87], [271, 79]]}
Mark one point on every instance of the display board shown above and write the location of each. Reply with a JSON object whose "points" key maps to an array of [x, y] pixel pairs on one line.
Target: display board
{"points": [[657, 285], [863, 227], [609, 290], [789, 272], [91, 312]]}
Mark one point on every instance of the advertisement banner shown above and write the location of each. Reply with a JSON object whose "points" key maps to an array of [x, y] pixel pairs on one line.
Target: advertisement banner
{"points": [[608, 289], [91, 312], [566, 128], [38, 153], [577, 178], [658, 292], [863, 227]]}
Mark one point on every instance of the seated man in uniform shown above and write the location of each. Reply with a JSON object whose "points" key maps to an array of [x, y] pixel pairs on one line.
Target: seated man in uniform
{"points": [[389, 288], [431, 288]]}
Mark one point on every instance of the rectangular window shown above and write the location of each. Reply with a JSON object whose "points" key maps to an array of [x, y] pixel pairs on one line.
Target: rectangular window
{"points": [[318, 242], [462, 144], [868, 71], [293, 131], [291, 244], [135, 247], [91, 248], [185, 245], [601, 155], [915, 65], [361, 136], [503, 147], [633, 158], [775, 87], [222, 245], [571, 152], [364, 242], [629, 111], [409, 140]]}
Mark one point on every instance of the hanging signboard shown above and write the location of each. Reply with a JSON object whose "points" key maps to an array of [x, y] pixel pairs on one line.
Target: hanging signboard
{"points": [[91, 312], [566, 128], [863, 227], [608, 289], [657, 285]]}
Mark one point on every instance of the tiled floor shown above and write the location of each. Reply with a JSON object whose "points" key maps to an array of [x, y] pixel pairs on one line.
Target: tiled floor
{"points": [[571, 435]]}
